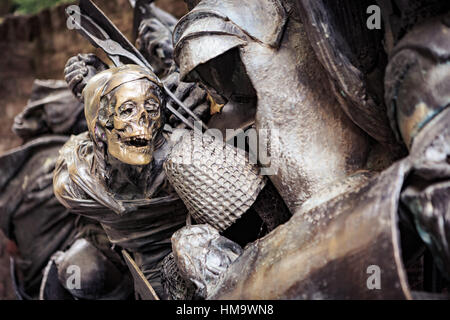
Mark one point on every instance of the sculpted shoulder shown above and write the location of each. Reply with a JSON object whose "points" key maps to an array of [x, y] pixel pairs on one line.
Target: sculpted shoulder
{"points": [[74, 156]]}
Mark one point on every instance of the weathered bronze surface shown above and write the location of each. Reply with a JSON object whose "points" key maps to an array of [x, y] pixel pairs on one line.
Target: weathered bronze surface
{"points": [[280, 72], [324, 252], [353, 57], [52, 109], [30, 215], [175, 285], [358, 156], [128, 110], [343, 219], [417, 78], [202, 255], [142, 287], [90, 180]]}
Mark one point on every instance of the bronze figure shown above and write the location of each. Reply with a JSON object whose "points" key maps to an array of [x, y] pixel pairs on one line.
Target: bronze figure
{"points": [[117, 166], [30, 215], [356, 177], [344, 208]]}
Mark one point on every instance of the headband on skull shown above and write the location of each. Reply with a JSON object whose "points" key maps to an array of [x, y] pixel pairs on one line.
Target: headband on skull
{"points": [[104, 83]]}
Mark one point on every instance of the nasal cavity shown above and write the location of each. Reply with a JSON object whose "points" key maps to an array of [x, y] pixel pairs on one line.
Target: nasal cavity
{"points": [[143, 119]]}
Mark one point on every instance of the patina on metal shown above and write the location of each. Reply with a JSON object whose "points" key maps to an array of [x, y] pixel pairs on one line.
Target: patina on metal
{"points": [[281, 79], [333, 93], [327, 96], [142, 287], [202, 255], [30, 215], [417, 82], [324, 252], [115, 169], [216, 181], [175, 285], [130, 115], [90, 180], [92, 23], [130, 195]]}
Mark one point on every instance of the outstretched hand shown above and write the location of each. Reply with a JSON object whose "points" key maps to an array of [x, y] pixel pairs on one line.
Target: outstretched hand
{"points": [[193, 97]]}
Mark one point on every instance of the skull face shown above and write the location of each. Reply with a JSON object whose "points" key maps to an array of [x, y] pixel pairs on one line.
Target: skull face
{"points": [[136, 120]]}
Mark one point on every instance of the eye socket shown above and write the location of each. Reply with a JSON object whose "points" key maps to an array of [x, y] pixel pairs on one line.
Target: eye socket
{"points": [[152, 108], [126, 109]]}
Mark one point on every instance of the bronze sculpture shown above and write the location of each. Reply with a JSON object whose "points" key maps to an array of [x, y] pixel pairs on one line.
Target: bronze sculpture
{"points": [[116, 167], [361, 163], [30, 215], [41, 228], [325, 207]]}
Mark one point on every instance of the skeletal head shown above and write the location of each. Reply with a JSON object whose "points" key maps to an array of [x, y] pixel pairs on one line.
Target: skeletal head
{"points": [[126, 116]]}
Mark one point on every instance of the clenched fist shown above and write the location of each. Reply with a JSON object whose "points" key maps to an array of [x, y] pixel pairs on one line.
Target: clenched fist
{"points": [[155, 42], [79, 69], [193, 97]]}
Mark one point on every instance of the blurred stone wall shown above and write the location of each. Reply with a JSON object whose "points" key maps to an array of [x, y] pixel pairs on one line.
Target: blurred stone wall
{"points": [[5, 6], [38, 46]]}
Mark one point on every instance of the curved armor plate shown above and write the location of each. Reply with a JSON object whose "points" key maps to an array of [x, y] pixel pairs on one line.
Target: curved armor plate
{"points": [[324, 252], [223, 25]]}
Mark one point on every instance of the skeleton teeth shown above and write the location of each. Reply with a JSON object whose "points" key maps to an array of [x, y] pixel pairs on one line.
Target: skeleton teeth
{"points": [[137, 142]]}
